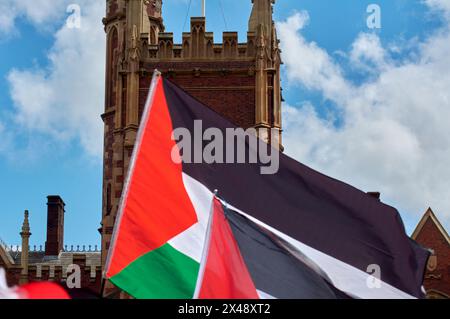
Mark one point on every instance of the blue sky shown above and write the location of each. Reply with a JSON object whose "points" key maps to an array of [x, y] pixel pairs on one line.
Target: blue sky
{"points": [[36, 160]]}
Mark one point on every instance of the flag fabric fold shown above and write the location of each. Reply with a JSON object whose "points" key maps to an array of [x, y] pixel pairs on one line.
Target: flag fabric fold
{"points": [[324, 234]]}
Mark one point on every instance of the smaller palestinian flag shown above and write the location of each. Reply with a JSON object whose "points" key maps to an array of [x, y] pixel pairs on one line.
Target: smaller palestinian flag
{"points": [[245, 261], [224, 274]]}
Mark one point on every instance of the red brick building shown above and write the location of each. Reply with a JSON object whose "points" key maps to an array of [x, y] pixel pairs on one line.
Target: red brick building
{"points": [[56, 262], [431, 234]]}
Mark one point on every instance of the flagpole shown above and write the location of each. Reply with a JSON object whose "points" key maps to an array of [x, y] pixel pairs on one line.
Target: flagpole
{"points": [[102, 288], [203, 8]]}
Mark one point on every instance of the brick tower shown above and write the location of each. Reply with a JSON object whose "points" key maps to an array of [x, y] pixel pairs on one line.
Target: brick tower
{"points": [[241, 81]]}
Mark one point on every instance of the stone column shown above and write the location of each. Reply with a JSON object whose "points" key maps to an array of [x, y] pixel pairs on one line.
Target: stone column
{"points": [[25, 234]]}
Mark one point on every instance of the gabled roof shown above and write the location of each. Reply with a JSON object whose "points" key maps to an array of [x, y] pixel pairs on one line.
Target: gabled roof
{"points": [[34, 257], [429, 214]]}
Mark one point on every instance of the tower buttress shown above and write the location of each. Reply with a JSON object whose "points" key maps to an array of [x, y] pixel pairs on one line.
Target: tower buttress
{"points": [[143, 25], [268, 61], [155, 20], [261, 15]]}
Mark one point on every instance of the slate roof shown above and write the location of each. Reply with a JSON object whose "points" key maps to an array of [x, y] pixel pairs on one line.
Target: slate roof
{"points": [[34, 257]]}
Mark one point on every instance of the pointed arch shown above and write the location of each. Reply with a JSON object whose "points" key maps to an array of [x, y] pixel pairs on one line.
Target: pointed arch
{"points": [[186, 49], [111, 66], [153, 36], [108, 199], [209, 49]]}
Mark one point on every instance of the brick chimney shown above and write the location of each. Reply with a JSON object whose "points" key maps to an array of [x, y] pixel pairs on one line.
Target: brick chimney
{"points": [[55, 226]]}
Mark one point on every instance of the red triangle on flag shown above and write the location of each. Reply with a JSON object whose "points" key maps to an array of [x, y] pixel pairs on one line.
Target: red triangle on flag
{"points": [[225, 274]]}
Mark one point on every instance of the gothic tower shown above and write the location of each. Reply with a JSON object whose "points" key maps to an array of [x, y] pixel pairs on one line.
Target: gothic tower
{"points": [[241, 81]]}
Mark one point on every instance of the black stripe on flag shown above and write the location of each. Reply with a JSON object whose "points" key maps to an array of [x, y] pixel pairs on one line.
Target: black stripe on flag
{"points": [[274, 270]]}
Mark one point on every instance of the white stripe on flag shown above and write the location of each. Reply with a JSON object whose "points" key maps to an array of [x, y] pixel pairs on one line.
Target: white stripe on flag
{"points": [[191, 241], [263, 295]]}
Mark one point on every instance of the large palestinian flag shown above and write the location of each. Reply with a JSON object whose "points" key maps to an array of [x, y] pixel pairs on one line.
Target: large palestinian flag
{"points": [[293, 234]]}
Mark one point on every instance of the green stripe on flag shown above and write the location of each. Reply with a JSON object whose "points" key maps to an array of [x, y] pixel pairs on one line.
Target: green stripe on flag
{"points": [[164, 273]]}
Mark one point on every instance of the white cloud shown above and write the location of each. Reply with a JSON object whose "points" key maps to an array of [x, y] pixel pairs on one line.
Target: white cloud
{"points": [[65, 100], [7, 17], [38, 12], [317, 70], [394, 135], [440, 5], [368, 53]]}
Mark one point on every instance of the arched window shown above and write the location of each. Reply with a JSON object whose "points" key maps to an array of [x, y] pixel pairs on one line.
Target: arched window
{"points": [[153, 36], [186, 49], [111, 67], [108, 199]]}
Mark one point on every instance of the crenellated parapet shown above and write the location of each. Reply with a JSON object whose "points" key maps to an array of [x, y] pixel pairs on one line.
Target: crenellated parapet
{"points": [[199, 45]]}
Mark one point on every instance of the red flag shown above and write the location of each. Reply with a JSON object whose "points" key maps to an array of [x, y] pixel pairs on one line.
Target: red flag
{"points": [[42, 290], [225, 274]]}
